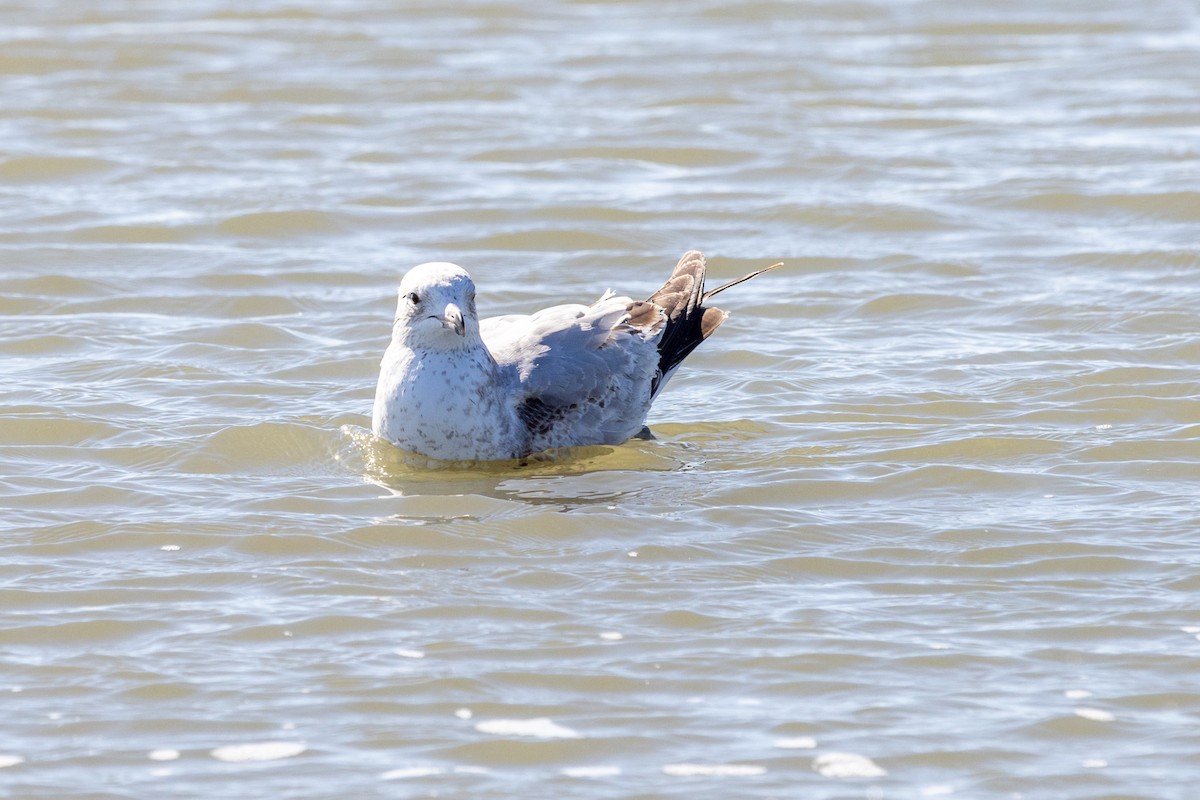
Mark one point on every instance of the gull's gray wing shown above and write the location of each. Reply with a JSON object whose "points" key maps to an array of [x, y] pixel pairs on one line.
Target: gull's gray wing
{"points": [[582, 374]]}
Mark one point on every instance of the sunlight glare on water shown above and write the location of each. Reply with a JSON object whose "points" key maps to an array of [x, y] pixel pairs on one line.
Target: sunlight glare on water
{"points": [[919, 521]]}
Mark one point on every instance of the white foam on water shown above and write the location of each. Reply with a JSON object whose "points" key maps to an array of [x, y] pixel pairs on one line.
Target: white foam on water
{"points": [[169, 548], [846, 765], [1077, 694], [400, 651], [258, 751], [796, 743], [1094, 763], [612, 636], [7, 760], [538, 728], [713, 770], [591, 772], [1190, 629], [464, 713], [163, 754], [1095, 714]]}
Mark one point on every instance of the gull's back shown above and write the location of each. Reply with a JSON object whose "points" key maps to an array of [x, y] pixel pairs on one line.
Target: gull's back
{"points": [[588, 374], [581, 374]]}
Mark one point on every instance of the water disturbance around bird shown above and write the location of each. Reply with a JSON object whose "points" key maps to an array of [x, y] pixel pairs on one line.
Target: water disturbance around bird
{"points": [[918, 520]]}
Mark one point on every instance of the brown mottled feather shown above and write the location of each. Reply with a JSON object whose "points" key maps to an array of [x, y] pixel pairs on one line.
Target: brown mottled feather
{"points": [[687, 321]]}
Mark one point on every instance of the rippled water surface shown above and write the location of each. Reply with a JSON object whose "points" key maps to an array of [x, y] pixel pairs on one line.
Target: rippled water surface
{"points": [[920, 521]]}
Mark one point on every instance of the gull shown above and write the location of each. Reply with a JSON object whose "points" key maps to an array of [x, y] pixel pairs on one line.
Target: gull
{"points": [[455, 387]]}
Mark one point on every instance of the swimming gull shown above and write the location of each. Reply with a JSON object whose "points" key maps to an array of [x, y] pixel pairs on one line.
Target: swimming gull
{"points": [[455, 387]]}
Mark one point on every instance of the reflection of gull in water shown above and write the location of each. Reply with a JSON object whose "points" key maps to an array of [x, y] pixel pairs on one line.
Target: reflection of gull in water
{"points": [[537, 481], [455, 387]]}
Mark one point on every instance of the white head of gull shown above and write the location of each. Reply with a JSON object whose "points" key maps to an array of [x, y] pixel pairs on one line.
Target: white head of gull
{"points": [[435, 300]]}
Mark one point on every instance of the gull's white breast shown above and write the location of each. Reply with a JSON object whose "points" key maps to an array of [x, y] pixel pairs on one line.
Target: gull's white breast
{"points": [[444, 405]]}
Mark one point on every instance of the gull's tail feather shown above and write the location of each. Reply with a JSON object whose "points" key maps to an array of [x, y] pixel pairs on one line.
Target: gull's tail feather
{"points": [[685, 319], [742, 279]]}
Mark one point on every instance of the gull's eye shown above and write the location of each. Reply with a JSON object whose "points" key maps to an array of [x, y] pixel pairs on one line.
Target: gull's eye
{"points": [[413, 298]]}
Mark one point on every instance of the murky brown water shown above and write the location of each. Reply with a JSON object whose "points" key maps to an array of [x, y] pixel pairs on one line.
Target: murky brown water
{"points": [[921, 521]]}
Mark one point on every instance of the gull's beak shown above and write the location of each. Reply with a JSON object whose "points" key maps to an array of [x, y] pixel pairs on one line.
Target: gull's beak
{"points": [[453, 318]]}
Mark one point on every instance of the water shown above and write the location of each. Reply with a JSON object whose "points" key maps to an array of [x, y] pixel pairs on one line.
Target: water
{"points": [[920, 521]]}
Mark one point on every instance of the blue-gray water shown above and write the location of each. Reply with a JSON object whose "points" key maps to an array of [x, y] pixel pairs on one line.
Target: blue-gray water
{"points": [[920, 521]]}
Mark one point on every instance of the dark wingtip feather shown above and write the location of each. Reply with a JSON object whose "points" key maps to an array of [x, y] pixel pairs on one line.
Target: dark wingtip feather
{"points": [[687, 321]]}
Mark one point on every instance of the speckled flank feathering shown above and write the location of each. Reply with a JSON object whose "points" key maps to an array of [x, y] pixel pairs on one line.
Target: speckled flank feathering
{"points": [[452, 386]]}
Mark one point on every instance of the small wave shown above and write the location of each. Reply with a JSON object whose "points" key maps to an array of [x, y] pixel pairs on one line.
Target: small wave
{"points": [[281, 223], [33, 169], [847, 765], [136, 234], [258, 751], [713, 770], [538, 728], [403, 773], [591, 772]]}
